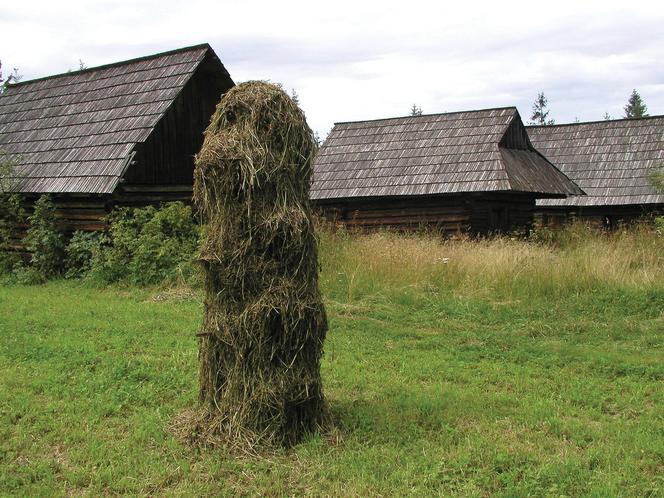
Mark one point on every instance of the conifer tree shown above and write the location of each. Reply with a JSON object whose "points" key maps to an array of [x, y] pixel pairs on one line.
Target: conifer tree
{"points": [[14, 77], [415, 110], [541, 111], [635, 107]]}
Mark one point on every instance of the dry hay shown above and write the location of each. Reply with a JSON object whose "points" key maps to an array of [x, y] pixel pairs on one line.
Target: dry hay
{"points": [[262, 336]]}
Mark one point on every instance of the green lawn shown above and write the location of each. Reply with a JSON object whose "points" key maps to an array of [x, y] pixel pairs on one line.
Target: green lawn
{"points": [[435, 391]]}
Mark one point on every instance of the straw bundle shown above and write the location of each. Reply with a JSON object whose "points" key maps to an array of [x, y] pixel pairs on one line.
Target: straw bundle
{"points": [[262, 336]]}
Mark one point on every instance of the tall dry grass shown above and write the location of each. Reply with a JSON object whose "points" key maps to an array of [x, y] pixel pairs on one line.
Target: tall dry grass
{"points": [[574, 260]]}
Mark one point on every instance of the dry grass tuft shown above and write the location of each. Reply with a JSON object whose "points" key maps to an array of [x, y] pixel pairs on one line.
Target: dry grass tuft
{"points": [[359, 265]]}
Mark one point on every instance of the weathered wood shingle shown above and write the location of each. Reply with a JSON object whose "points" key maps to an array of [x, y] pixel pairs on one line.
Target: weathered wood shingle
{"points": [[474, 151], [75, 132], [610, 160]]}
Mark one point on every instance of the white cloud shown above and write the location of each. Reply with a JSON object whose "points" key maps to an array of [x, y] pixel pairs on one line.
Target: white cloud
{"points": [[358, 60]]}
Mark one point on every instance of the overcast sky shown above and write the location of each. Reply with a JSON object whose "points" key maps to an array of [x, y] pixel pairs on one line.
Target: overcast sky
{"points": [[351, 60]]}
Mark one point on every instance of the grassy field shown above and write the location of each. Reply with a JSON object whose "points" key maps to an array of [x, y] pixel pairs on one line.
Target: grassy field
{"points": [[494, 368]]}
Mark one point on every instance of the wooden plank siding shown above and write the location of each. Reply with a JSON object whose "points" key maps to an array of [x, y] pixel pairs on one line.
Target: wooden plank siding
{"points": [[502, 213], [167, 155], [449, 215], [475, 214], [607, 217]]}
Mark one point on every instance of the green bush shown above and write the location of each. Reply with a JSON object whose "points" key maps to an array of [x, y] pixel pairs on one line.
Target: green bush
{"points": [[167, 241], [147, 245], [44, 242], [143, 246], [11, 213], [82, 249], [659, 225], [111, 263]]}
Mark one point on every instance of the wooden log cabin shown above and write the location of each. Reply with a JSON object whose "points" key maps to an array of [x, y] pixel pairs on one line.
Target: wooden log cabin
{"points": [[123, 134], [612, 161], [474, 171]]}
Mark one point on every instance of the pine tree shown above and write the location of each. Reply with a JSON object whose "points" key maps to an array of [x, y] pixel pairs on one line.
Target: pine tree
{"points": [[635, 107], [541, 111], [81, 66], [415, 110], [14, 77]]}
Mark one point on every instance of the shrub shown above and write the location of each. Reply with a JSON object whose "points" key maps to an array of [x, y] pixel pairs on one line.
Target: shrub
{"points": [[11, 213], [111, 263], [82, 249], [166, 242], [659, 225], [44, 242], [147, 245]]}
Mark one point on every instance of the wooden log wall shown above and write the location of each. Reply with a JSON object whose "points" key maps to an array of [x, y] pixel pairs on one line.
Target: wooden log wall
{"points": [[84, 213], [154, 195], [501, 213], [447, 215], [454, 214], [599, 216]]}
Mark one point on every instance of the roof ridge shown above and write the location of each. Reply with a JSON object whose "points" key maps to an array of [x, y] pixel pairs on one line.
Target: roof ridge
{"points": [[658, 116], [426, 115], [501, 159], [114, 64]]}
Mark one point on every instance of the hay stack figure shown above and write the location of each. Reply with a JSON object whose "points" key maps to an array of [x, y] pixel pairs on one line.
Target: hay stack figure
{"points": [[262, 337]]}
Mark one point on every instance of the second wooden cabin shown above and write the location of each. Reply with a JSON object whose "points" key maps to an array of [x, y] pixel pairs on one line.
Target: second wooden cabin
{"points": [[474, 171], [612, 161]]}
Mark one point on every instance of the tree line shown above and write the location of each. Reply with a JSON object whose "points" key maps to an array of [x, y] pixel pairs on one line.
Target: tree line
{"points": [[634, 109]]}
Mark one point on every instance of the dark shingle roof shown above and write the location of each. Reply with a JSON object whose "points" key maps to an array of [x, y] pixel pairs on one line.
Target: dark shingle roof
{"points": [[75, 132], [610, 160], [434, 154]]}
